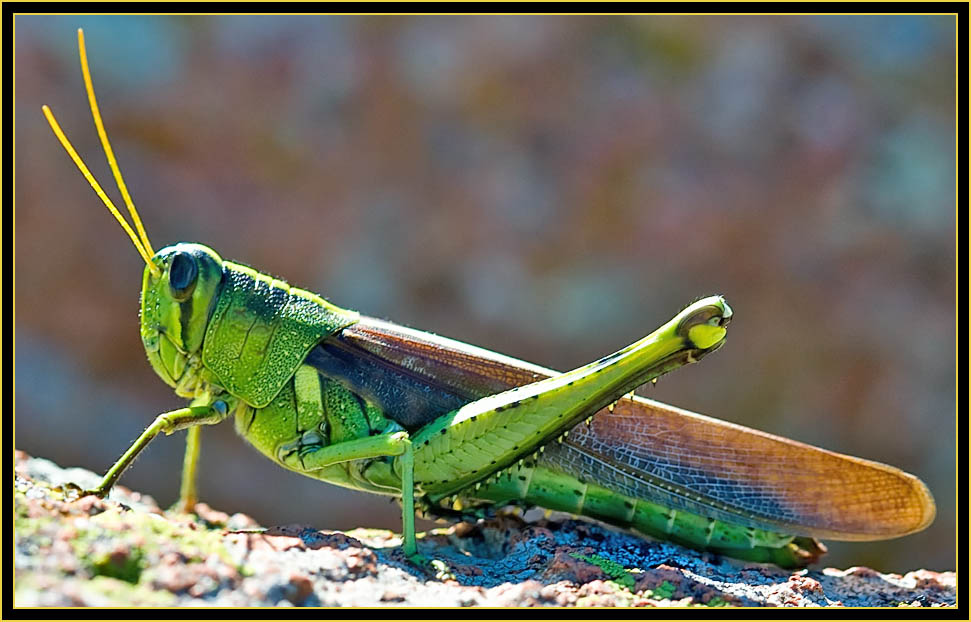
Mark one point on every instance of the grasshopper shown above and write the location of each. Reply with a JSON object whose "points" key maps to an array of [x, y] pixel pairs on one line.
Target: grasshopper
{"points": [[455, 430]]}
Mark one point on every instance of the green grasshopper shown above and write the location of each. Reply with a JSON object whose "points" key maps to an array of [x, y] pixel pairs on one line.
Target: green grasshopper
{"points": [[456, 430]]}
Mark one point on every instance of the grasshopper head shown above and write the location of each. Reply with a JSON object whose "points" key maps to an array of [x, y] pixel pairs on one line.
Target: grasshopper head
{"points": [[177, 298]]}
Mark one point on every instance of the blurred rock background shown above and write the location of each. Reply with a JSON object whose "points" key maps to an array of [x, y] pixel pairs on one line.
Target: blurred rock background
{"points": [[549, 187]]}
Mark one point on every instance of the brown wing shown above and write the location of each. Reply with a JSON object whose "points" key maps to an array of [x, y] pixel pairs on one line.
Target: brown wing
{"points": [[643, 448]]}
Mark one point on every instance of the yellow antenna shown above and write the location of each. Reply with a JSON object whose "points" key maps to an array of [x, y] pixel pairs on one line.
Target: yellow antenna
{"points": [[97, 188], [142, 244], [103, 135]]}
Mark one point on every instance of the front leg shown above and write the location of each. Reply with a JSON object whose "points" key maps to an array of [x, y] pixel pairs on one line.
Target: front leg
{"points": [[168, 422]]}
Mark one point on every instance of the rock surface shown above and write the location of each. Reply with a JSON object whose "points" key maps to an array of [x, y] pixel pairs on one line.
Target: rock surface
{"points": [[125, 551]]}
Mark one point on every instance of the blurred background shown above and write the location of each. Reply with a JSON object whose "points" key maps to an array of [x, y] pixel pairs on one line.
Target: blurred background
{"points": [[552, 188]]}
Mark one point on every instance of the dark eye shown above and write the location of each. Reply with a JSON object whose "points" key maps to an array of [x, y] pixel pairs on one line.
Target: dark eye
{"points": [[182, 276]]}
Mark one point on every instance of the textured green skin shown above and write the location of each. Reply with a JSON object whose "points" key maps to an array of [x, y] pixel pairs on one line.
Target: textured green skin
{"points": [[261, 331], [242, 336]]}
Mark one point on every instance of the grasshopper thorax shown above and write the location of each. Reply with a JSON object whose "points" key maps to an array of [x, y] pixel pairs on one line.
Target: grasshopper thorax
{"points": [[177, 298]]}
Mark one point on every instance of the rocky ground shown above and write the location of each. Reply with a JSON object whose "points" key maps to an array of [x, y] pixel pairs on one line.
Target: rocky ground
{"points": [[125, 551]]}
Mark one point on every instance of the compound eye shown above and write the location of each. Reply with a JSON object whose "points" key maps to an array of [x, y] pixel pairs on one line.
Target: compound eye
{"points": [[183, 273]]}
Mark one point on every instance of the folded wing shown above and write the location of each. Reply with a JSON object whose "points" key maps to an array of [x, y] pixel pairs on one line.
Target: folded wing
{"points": [[643, 448]]}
